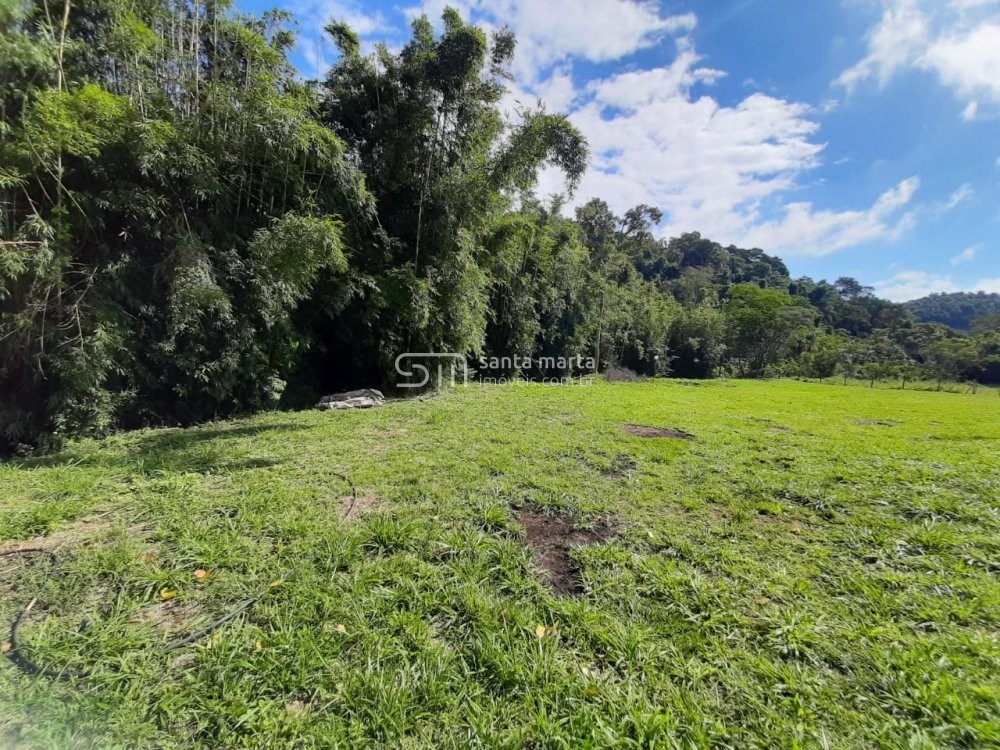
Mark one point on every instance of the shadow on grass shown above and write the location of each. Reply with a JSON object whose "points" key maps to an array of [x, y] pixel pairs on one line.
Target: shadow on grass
{"points": [[206, 449]]}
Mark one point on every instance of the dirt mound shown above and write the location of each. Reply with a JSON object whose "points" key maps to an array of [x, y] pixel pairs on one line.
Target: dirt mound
{"points": [[645, 431], [551, 538]]}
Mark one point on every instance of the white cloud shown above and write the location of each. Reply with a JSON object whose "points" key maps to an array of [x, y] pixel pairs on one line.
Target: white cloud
{"points": [[966, 255], [893, 43], [968, 61], [912, 285], [723, 170], [553, 31], [958, 41], [717, 169], [805, 231], [658, 137], [962, 194], [937, 209], [908, 285]]}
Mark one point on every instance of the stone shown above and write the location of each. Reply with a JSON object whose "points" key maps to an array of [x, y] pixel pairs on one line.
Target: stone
{"points": [[363, 398]]}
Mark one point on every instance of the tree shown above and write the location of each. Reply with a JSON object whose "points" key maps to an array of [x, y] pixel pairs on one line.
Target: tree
{"points": [[948, 358], [163, 216], [760, 322], [821, 360], [879, 357], [425, 127]]}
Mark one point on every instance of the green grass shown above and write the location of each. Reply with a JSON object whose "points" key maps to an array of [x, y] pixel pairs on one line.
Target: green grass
{"points": [[818, 568]]}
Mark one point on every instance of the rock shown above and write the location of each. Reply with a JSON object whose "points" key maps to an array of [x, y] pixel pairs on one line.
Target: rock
{"points": [[363, 398]]}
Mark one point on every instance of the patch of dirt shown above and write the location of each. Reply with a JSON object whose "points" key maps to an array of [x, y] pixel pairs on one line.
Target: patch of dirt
{"points": [[172, 616], [366, 503], [623, 465], [551, 538], [298, 707], [79, 530], [781, 430], [645, 431]]}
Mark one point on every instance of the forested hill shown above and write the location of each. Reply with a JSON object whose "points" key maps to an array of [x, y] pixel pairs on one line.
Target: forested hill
{"points": [[957, 309]]}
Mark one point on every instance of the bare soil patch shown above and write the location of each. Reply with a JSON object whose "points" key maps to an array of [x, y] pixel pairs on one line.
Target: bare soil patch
{"points": [[623, 465], [366, 502], [552, 538], [77, 531], [173, 617], [645, 431]]}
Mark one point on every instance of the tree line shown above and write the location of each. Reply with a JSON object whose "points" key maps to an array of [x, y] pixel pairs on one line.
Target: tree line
{"points": [[190, 230], [955, 309]]}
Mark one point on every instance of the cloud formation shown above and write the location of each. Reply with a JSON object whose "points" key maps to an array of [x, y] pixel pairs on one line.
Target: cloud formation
{"points": [[907, 285], [956, 40], [658, 136], [968, 254]]}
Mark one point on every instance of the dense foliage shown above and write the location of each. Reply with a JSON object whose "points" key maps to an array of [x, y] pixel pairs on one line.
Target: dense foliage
{"points": [[190, 230], [955, 309]]}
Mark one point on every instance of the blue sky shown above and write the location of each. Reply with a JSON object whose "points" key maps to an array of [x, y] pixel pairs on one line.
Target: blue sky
{"points": [[850, 137]]}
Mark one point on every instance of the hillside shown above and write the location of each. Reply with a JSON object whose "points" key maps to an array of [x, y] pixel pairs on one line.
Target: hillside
{"points": [[956, 309], [798, 564]]}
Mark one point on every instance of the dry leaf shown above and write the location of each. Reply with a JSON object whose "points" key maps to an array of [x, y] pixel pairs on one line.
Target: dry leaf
{"points": [[149, 557], [551, 629], [7, 646], [202, 575], [539, 631], [259, 646], [167, 594], [276, 583], [340, 628]]}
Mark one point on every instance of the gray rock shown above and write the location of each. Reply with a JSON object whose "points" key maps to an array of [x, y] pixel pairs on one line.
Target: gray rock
{"points": [[363, 398]]}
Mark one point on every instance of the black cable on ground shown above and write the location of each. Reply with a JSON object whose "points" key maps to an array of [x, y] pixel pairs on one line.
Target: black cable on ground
{"points": [[15, 654], [354, 493]]}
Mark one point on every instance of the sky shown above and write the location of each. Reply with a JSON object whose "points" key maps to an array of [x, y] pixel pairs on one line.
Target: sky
{"points": [[849, 137]]}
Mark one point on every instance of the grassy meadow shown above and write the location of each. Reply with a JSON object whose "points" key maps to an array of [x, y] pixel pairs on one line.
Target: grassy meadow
{"points": [[817, 566]]}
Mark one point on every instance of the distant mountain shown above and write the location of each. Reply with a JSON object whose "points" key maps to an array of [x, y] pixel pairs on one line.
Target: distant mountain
{"points": [[957, 309]]}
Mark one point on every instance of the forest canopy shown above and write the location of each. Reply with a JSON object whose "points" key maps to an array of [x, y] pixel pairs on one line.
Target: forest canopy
{"points": [[956, 309], [191, 230]]}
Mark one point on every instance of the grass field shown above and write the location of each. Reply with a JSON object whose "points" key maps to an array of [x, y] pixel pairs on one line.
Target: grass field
{"points": [[817, 567]]}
